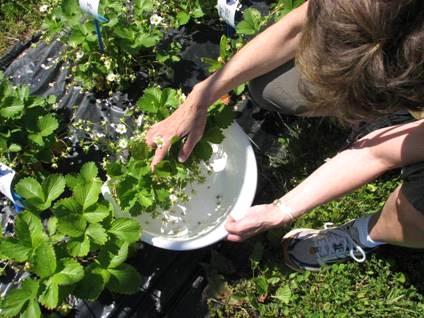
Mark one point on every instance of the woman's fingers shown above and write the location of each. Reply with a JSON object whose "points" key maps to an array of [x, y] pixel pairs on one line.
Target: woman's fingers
{"points": [[188, 146], [237, 230], [234, 238], [183, 122], [151, 134], [161, 152]]}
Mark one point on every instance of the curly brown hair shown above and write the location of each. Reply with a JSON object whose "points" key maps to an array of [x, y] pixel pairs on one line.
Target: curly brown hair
{"points": [[360, 59]]}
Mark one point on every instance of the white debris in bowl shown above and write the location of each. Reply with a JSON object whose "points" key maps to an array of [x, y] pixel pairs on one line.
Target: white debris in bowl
{"points": [[205, 210], [218, 161]]}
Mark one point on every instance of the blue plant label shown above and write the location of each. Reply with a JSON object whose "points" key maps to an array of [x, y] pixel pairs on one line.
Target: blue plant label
{"points": [[6, 177], [92, 8], [227, 11]]}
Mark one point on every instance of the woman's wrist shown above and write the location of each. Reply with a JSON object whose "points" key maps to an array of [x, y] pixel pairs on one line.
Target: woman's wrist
{"points": [[284, 209], [202, 96], [285, 213]]}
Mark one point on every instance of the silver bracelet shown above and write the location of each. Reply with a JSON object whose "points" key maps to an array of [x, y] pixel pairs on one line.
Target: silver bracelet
{"points": [[284, 209]]}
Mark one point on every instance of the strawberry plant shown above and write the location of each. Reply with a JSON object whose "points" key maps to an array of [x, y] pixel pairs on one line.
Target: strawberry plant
{"points": [[69, 242], [251, 24], [178, 13], [28, 127], [135, 186], [129, 39]]}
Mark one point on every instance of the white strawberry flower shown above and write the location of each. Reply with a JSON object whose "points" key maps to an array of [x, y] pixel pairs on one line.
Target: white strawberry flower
{"points": [[99, 135], [123, 143], [107, 64], [155, 19], [121, 129], [79, 55], [139, 121], [111, 77], [173, 198], [43, 8]]}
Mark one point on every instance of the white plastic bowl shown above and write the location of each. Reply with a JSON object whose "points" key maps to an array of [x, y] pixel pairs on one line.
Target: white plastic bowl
{"points": [[228, 190]]}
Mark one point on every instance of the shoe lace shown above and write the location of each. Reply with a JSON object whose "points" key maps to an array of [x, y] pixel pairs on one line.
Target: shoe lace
{"points": [[336, 243]]}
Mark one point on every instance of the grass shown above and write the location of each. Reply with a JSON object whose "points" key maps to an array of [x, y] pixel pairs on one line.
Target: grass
{"points": [[389, 284], [19, 19]]}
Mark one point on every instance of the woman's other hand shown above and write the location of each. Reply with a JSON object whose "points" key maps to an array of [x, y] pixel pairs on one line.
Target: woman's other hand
{"points": [[259, 218]]}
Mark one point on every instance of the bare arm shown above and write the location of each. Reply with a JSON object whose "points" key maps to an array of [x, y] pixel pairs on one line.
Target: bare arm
{"points": [[271, 48], [370, 157]]}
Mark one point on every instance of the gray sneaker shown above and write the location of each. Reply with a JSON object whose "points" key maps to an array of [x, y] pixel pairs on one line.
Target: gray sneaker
{"points": [[308, 249]]}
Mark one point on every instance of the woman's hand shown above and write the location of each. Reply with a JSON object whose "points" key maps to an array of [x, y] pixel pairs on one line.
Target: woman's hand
{"points": [[188, 121], [258, 218]]}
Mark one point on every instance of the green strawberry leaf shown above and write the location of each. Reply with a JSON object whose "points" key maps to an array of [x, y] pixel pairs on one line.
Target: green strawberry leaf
{"points": [[221, 116], [90, 287], [49, 298], [251, 22], [89, 171], [97, 213], [169, 98], [31, 190], [52, 225], [72, 225], [213, 135], [151, 100], [51, 99], [79, 247], [203, 150], [44, 260], [53, 186], [261, 285], [126, 229], [73, 181], [16, 299], [145, 40], [124, 279], [29, 229], [113, 255], [182, 18], [37, 139], [97, 233], [70, 7], [71, 273], [67, 206], [14, 249], [239, 89], [23, 92], [283, 294], [15, 148], [143, 6], [87, 194], [47, 125], [12, 111], [32, 310]]}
